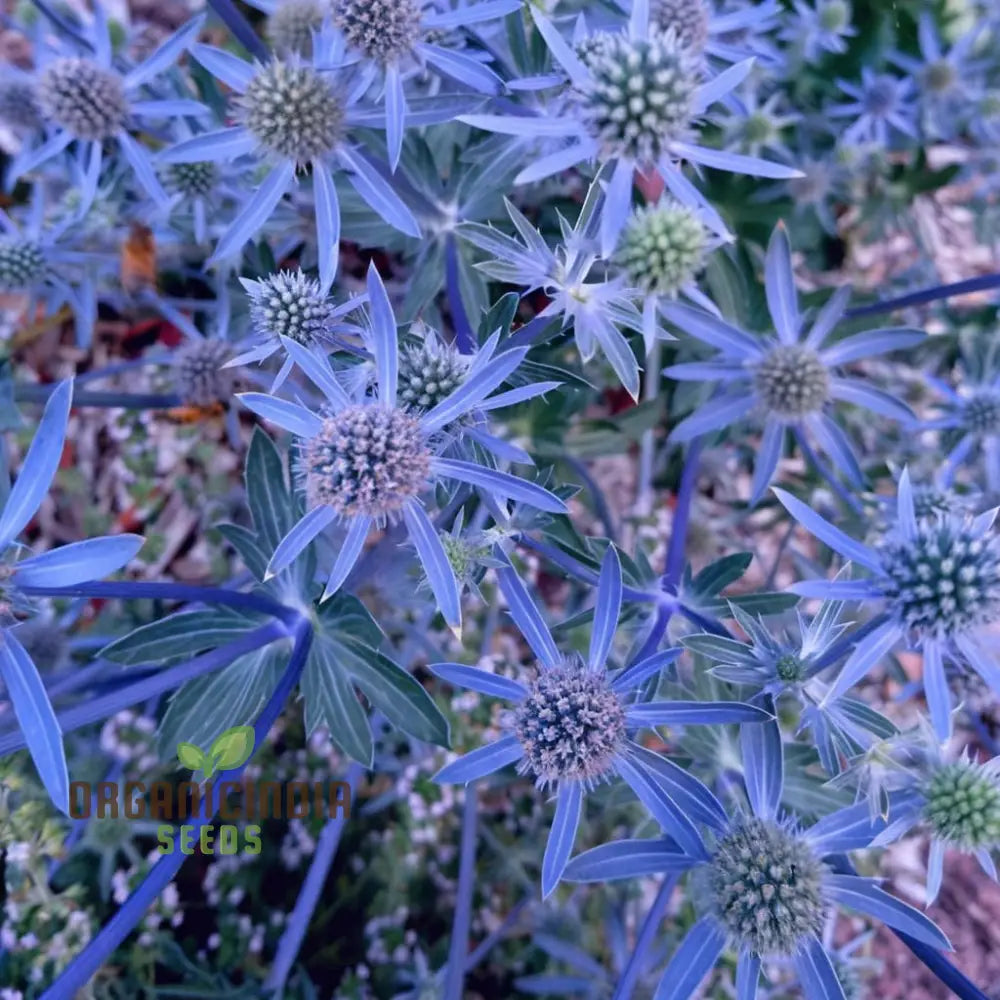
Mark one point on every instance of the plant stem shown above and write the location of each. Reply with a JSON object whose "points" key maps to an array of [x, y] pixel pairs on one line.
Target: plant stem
{"points": [[650, 926], [458, 949], [465, 340]]}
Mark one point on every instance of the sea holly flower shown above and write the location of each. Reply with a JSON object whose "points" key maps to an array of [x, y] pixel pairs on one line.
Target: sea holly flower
{"points": [[85, 100], [662, 249], [789, 380], [78, 562], [631, 100], [765, 887], [778, 661], [290, 305], [595, 308], [972, 414], [940, 579], [572, 725], [758, 126], [293, 115], [881, 105], [824, 27], [365, 460]]}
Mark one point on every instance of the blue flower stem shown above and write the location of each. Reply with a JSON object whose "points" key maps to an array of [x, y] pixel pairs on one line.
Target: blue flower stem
{"points": [[495, 937], [957, 982], [240, 27], [826, 472], [682, 518], [980, 284], [601, 508], [100, 948], [137, 591], [458, 949], [650, 927], [30, 393], [465, 340], [96, 374], [577, 569], [160, 682], [298, 922]]}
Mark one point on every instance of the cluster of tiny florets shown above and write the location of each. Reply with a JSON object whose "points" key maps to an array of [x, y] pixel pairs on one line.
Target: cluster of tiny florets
{"points": [[688, 18], [19, 105], [963, 805], [85, 99], [464, 555], [640, 94], [881, 96], [290, 28], [193, 180], [834, 15], [944, 580], [789, 667], [939, 76], [981, 413], [199, 378], [22, 264], [766, 888], [384, 30], [367, 460], [662, 248], [571, 726], [791, 381], [288, 304], [293, 111], [429, 373]]}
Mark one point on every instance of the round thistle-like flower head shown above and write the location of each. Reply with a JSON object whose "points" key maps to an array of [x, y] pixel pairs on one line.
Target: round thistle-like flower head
{"points": [[981, 413], [765, 885], [882, 96], [641, 96], [789, 667], [384, 30], [19, 104], [193, 180], [367, 460], [429, 373], [288, 304], [85, 99], [571, 725], [939, 76], [22, 264], [963, 805], [834, 15], [688, 18], [662, 248], [944, 580], [290, 27], [199, 378], [792, 381], [293, 111]]}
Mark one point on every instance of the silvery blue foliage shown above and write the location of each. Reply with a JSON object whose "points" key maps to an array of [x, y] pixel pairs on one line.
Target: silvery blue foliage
{"points": [[518, 292]]}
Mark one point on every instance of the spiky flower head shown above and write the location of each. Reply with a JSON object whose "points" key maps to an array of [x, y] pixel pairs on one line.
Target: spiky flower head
{"points": [[290, 28], [640, 96], [289, 304], [662, 247], [881, 96], [571, 726], [199, 378], [19, 105], [84, 98], [22, 264], [429, 372], [791, 381], [834, 15], [384, 30], [939, 76], [789, 667], [945, 579], [963, 804], [293, 111], [980, 413], [367, 460], [192, 180], [688, 18], [765, 887]]}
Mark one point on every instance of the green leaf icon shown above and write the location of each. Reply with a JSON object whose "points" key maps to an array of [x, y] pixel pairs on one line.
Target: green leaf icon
{"points": [[230, 749], [191, 756]]}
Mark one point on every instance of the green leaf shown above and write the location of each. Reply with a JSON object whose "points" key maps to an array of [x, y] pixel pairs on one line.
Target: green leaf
{"points": [[344, 614], [765, 603], [233, 696], [231, 749], [500, 316], [394, 692], [191, 756], [246, 544], [330, 700], [718, 575], [268, 495], [866, 717], [180, 636]]}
